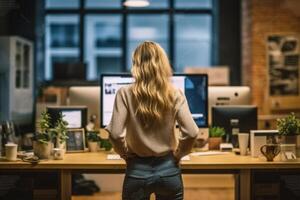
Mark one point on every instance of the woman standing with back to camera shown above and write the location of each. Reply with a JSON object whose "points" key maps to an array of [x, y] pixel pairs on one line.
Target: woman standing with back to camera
{"points": [[148, 110]]}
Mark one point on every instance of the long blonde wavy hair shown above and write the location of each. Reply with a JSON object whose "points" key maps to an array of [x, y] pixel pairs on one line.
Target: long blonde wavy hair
{"points": [[152, 90]]}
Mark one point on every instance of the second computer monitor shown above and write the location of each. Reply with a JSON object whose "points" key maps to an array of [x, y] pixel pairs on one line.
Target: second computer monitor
{"points": [[194, 86], [88, 96], [76, 116], [227, 95], [243, 117]]}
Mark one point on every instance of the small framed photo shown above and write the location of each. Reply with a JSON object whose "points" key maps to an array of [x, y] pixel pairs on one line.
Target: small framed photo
{"points": [[76, 140]]}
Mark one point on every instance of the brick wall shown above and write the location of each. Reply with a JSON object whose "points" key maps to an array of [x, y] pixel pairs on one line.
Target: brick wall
{"points": [[259, 19]]}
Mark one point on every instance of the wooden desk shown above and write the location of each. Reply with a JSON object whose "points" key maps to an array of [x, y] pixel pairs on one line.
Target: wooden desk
{"points": [[240, 166]]}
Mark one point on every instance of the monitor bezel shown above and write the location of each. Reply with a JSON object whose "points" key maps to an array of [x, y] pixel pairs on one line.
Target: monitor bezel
{"points": [[83, 109], [175, 74]]}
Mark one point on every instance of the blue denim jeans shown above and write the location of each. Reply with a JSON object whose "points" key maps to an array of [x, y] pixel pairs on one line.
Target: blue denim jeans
{"points": [[158, 175]]}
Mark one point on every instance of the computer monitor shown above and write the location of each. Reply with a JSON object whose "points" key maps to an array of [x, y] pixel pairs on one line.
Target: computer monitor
{"points": [[76, 116], [194, 87], [227, 95], [88, 96], [245, 117], [69, 71]]}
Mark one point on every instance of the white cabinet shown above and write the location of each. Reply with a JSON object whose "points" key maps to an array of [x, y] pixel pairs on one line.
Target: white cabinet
{"points": [[16, 79]]}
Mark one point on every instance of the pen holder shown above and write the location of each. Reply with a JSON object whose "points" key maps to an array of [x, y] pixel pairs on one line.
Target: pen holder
{"points": [[288, 152]]}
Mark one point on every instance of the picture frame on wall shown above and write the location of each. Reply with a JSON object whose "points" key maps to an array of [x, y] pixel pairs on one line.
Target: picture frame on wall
{"points": [[283, 65], [76, 140]]}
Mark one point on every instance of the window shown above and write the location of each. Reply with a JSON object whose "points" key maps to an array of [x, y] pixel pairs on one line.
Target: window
{"points": [[103, 4], [62, 41], [192, 41], [193, 4], [59, 4], [143, 27], [22, 64], [104, 33], [103, 41]]}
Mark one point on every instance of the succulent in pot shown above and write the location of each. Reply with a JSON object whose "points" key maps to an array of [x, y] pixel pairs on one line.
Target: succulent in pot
{"points": [[215, 137]]}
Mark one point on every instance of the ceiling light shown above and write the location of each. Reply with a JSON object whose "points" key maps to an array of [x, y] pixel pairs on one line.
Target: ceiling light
{"points": [[136, 3]]}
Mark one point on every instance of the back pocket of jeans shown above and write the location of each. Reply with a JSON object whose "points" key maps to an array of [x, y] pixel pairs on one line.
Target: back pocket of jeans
{"points": [[169, 172], [138, 174]]}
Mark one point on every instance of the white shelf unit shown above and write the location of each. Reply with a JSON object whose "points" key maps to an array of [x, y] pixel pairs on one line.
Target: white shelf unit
{"points": [[16, 84]]}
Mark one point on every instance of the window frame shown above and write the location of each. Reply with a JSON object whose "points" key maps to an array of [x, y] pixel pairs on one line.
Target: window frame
{"points": [[171, 11]]}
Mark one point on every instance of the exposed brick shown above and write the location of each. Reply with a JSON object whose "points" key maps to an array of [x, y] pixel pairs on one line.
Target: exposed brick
{"points": [[261, 18]]}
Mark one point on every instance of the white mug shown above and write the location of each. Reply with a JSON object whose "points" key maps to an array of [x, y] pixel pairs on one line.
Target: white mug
{"points": [[11, 150], [243, 143], [58, 154]]}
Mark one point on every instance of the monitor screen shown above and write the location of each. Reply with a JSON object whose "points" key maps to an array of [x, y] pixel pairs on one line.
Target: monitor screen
{"points": [[194, 86], [75, 116], [243, 118], [69, 71]]}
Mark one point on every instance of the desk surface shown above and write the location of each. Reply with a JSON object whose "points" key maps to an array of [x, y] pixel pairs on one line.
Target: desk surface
{"points": [[98, 161]]}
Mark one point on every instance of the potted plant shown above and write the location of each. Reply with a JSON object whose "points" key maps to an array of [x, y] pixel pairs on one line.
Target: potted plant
{"points": [[42, 145], [289, 130], [106, 144], [60, 133], [93, 139], [215, 137]]}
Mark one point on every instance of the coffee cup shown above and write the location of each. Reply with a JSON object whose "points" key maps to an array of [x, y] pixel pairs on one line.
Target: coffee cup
{"points": [[270, 151], [243, 143], [11, 150], [58, 154]]}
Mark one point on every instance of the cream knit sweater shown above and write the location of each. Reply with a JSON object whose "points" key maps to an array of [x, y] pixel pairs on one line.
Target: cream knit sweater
{"points": [[129, 137]]}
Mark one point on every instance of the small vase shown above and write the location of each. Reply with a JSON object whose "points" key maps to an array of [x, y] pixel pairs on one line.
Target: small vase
{"points": [[93, 146], [62, 146]]}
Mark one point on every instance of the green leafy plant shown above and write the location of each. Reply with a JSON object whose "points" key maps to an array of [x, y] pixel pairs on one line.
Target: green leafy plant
{"points": [[60, 129], [45, 134], [289, 125], [216, 131], [106, 144], [93, 136]]}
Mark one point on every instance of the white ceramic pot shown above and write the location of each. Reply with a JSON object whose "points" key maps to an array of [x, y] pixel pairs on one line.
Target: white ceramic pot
{"points": [[62, 146]]}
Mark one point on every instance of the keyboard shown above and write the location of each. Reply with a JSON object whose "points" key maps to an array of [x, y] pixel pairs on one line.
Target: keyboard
{"points": [[113, 157]]}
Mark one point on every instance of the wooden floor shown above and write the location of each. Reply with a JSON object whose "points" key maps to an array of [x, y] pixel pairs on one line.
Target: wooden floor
{"points": [[190, 194]]}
